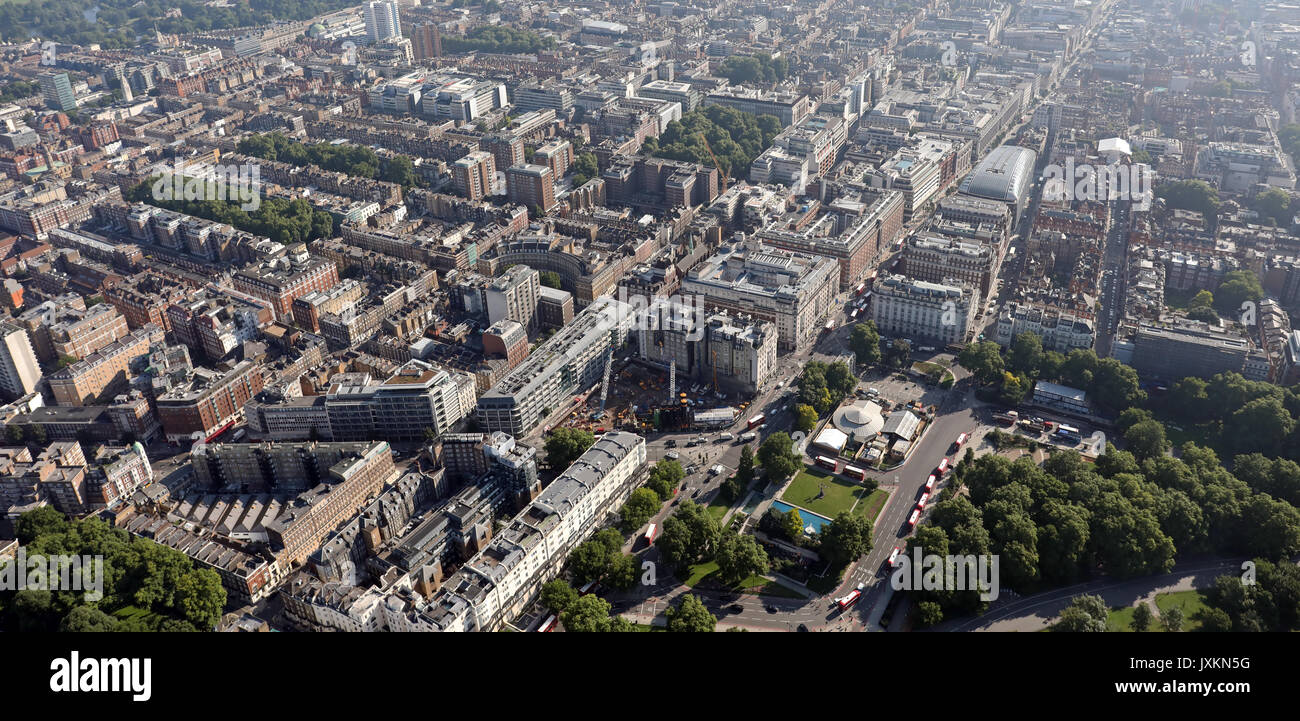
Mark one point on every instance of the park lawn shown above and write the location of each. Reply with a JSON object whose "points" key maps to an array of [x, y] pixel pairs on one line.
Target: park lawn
{"points": [[1191, 602], [718, 507], [839, 497], [699, 572], [756, 585], [1120, 620], [870, 508]]}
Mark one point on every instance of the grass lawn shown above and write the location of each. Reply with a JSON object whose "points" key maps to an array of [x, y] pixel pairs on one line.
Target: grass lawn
{"points": [[840, 494], [870, 508], [718, 507], [703, 573], [1191, 602]]}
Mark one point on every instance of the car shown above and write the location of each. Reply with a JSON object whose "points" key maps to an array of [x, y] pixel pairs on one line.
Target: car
{"points": [[770, 608], [671, 443], [672, 455], [802, 628], [735, 608]]}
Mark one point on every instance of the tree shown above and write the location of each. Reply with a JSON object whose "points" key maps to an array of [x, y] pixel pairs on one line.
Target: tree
{"points": [[1262, 425], [691, 616], [14, 434], [1026, 354], [745, 466], [1146, 439], [200, 598], [777, 457], [1214, 620], [1142, 617], [1172, 619], [43, 521], [864, 341], [565, 445], [551, 279], [845, 539], [622, 573], [1194, 195], [1085, 614], [664, 477], [1238, 286], [641, 506], [557, 595], [900, 351], [87, 619], [1188, 398], [689, 536], [584, 168], [984, 360], [740, 557], [587, 614], [928, 613], [805, 418], [1273, 204], [1014, 389]]}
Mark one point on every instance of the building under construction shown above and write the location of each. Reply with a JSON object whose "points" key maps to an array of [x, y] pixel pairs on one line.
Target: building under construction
{"points": [[729, 353]]}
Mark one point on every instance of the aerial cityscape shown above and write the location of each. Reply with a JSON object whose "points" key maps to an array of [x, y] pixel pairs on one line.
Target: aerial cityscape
{"points": [[872, 316]]}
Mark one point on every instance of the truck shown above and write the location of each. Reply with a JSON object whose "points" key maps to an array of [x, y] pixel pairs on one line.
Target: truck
{"points": [[725, 437], [1007, 417], [1032, 425], [747, 437]]}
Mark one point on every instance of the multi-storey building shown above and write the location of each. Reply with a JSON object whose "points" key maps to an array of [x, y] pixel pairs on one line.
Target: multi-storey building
{"points": [[531, 185], [792, 290], [406, 406], [944, 312], [19, 372], [570, 362], [105, 372], [933, 257], [502, 579], [209, 402], [1194, 349], [513, 296], [1060, 331], [283, 280], [735, 352], [473, 174]]}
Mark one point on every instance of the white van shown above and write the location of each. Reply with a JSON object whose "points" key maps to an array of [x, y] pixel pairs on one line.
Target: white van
{"points": [[725, 437]]}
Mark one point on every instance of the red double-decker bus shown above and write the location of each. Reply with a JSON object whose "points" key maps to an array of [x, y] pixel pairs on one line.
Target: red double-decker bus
{"points": [[756, 421], [855, 472], [651, 534], [847, 602], [548, 625], [943, 466], [830, 463]]}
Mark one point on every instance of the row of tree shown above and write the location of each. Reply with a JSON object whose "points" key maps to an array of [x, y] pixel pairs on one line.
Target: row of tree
{"points": [[591, 613], [754, 69], [355, 160], [122, 23], [280, 219], [735, 137], [1126, 517], [1241, 415], [1110, 383], [497, 39], [173, 594]]}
